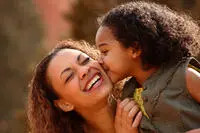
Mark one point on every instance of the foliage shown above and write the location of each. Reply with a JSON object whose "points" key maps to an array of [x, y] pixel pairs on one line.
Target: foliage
{"points": [[20, 34]]}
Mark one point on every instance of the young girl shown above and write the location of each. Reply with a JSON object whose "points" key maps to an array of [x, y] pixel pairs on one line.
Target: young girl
{"points": [[154, 45], [69, 94]]}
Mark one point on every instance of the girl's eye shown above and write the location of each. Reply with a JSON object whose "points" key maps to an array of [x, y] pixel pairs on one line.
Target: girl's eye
{"points": [[69, 77], [85, 61], [104, 52]]}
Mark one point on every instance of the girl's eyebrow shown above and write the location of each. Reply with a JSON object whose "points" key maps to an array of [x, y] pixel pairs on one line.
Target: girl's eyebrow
{"points": [[102, 44]]}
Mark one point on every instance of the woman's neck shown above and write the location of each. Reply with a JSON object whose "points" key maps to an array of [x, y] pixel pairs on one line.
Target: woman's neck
{"points": [[99, 120]]}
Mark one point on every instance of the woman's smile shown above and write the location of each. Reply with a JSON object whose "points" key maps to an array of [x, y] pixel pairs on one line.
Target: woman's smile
{"points": [[93, 83]]}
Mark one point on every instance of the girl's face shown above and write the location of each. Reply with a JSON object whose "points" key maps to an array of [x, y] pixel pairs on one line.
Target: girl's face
{"points": [[116, 59], [77, 79]]}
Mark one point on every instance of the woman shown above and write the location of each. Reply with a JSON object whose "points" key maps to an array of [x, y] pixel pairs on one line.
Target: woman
{"points": [[69, 94]]}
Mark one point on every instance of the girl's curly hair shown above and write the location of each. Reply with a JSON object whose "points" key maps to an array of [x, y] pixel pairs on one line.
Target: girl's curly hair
{"points": [[162, 34], [43, 116]]}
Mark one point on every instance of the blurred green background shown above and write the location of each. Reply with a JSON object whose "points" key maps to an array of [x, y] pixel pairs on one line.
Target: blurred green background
{"points": [[29, 28]]}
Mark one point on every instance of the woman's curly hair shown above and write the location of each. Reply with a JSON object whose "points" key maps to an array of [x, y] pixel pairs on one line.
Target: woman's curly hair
{"points": [[43, 116], [162, 34]]}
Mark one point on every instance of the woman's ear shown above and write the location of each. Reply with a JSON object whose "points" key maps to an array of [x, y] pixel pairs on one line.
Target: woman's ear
{"points": [[63, 105]]}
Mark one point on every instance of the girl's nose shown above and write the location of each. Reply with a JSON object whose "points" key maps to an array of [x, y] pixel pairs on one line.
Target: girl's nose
{"points": [[100, 60]]}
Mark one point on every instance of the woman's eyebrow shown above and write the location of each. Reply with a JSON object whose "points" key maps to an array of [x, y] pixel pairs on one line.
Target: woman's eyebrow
{"points": [[78, 58], [65, 70]]}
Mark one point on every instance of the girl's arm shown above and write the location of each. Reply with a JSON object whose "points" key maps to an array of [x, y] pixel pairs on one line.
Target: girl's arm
{"points": [[194, 131], [193, 83]]}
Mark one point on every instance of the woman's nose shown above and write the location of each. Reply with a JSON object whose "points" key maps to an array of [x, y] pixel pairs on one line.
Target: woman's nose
{"points": [[83, 71]]}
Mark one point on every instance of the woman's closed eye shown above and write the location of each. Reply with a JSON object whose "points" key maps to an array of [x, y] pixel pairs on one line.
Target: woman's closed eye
{"points": [[69, 77], [85, 61]]}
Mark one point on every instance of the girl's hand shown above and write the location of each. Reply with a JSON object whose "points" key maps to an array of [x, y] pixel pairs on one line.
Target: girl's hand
{"points": [[127, 117]]}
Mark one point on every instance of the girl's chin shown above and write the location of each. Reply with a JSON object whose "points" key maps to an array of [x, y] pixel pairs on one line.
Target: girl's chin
{"points": [[113, 80]]}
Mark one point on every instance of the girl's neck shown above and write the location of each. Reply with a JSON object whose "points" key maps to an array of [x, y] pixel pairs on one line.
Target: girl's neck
{"points": [[137, 71], [142, 75], [99, 120]]}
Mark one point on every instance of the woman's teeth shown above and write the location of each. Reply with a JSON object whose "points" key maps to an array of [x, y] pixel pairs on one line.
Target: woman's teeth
{"points": [[92, 82]]}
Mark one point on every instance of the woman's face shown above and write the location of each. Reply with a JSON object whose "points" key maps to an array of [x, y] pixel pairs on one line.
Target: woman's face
{"points": [[78, 79]]}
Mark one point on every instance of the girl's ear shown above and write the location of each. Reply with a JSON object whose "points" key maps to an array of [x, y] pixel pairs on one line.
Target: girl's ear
{"points": [[136, 50], [63, 105], [136, 53]]}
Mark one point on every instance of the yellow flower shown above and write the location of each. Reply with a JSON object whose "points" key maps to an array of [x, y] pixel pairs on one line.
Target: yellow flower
{"points": [[138, 98]]}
